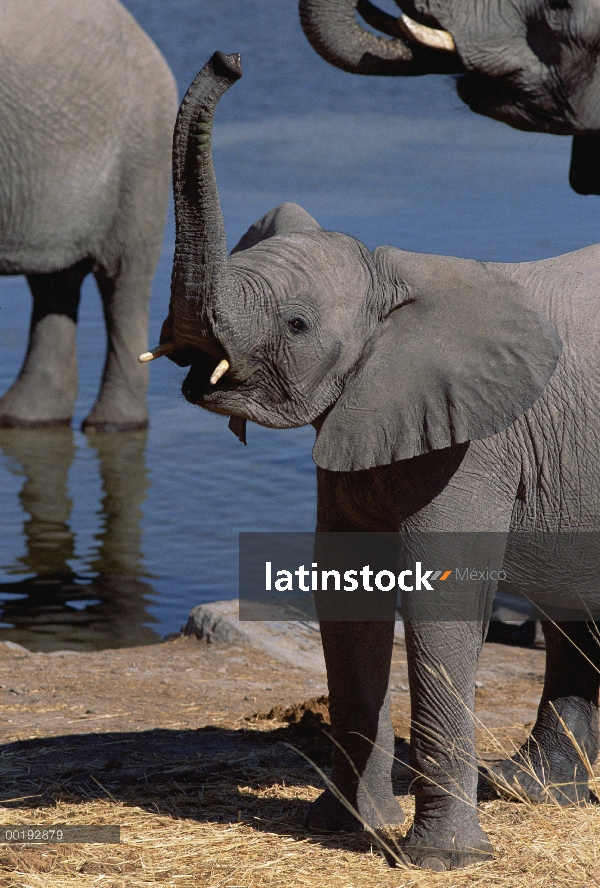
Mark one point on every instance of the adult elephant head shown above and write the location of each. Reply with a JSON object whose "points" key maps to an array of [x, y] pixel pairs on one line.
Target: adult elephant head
{"points": [[530, 63]]}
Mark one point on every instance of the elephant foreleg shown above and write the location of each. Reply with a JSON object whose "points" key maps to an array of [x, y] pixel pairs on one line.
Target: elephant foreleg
{"points": [[358, 658], [44, 393], [442, 658], [550, 766]]}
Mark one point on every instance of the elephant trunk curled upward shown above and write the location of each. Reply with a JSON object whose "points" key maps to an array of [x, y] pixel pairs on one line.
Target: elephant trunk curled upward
{"points": [[447, 395], [87, 105], [530, 63]]}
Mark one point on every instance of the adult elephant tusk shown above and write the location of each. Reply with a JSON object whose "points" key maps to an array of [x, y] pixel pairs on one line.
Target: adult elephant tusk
{"points": [[219, 371], [431, 37], [167, 348]]}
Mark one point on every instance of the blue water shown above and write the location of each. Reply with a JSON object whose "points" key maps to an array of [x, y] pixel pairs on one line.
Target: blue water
{"points": [[393, 161]]}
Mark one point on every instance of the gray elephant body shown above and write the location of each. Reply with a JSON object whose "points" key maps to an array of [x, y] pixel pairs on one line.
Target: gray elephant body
{"points": [[533, 65], [549, 444], [449, 397], [88, 106], [538, 474]]}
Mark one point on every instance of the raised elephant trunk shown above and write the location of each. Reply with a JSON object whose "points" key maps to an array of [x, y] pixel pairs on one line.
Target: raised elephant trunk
{"points": [[334, 33], [200, 267]]}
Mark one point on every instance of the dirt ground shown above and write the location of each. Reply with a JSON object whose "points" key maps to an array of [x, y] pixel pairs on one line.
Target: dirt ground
{"points": [[194, 750]]}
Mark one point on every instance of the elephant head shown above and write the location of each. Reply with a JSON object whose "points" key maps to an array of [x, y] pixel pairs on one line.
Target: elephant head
{"points": [[388, 353], [530, 63]]}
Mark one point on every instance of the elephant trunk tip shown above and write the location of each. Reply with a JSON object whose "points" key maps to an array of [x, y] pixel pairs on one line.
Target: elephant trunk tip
{"points": [[229, 66]]}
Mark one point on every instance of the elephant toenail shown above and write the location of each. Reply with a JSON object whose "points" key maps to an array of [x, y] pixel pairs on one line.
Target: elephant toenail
{"points": [[434, 863]]}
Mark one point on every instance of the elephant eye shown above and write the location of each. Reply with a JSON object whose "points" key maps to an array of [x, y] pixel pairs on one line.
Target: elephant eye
{"points": [[298, 325]]}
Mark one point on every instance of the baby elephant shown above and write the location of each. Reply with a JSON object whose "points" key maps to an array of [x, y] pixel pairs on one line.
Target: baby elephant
{"points": [[447, 395]]}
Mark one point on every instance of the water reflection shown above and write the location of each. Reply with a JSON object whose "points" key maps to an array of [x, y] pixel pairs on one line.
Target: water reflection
{"points": [[54, 607]]}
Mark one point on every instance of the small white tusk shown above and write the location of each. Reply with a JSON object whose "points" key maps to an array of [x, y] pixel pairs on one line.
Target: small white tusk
{"points": [[167, 348], [219, 371], [430, 37]]}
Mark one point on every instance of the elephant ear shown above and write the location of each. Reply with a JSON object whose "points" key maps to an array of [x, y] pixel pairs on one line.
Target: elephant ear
{"points": [[287, 218], [460, 356]]}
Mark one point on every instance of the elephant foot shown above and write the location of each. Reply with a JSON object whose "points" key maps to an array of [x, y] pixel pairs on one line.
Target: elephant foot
{"points": [[549, 766], [441, 849], [16, 422], [92, 428], [529, 777], [128, 415], [328, 814], [24, 406]]}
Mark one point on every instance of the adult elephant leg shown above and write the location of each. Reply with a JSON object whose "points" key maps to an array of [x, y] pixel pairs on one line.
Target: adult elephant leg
{"points": [[358, 658], [442, 658], [121, 402], [550, 764], [44, 393], [125, 267]]}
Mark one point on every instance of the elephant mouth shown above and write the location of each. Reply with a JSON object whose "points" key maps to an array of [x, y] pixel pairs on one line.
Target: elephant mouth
{"points": [[486, 95], [232, 396], [199, 388], [501, 98]]}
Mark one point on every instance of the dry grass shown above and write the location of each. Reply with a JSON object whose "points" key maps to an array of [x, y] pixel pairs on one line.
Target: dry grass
{"points": [[221, 806], [264, 845]]}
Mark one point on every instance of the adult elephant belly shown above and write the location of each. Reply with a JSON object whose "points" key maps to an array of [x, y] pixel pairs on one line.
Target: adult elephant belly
{"points": [[64, 120], [58, 211], [87, 106]]}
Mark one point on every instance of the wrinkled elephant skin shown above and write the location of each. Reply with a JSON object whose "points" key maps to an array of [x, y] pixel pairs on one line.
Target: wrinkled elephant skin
{"points": [[530, 63], [88, 106], [447, 395]]}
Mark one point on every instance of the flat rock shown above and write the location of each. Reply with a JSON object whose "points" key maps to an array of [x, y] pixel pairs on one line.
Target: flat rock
{"points": [[298, 643], [293, 641], [13, 646]]}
